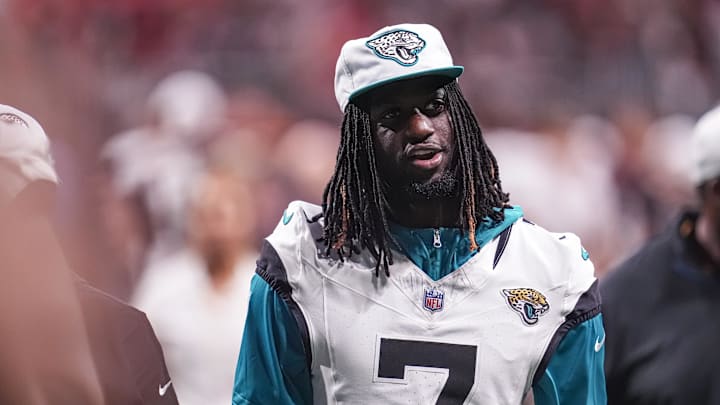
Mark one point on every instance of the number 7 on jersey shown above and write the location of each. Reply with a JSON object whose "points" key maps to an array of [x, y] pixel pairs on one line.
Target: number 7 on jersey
{"points": [[395, 355]]}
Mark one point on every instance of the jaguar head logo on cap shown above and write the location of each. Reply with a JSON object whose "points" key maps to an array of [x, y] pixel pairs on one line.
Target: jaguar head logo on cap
{"points": [[401, 46]]}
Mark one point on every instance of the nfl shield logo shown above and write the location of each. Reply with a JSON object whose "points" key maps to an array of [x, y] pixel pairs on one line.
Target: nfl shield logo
{"points": [[433, 299]]}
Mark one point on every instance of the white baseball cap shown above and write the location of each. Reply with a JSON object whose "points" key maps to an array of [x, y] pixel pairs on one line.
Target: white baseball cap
{"points": [[24, 146], [706, 147], [393, 53]]}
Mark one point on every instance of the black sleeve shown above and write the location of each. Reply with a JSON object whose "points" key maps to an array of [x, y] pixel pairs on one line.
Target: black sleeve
{"points": [[126, 351], [627, 294], [616, 306], [146, 362]]}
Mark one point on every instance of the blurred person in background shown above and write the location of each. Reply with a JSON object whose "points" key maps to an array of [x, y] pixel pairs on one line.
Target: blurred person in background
{"points": [[664, 170], [660, 305], [564, 158], [197, 298], [259, 123], [416, 281], [153, 166], [45, 355], [64, 342], [291, 157]]}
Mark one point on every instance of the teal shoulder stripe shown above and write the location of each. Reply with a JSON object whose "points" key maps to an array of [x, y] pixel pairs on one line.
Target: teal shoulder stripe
{"points": [[271, 367], [575, 374]]}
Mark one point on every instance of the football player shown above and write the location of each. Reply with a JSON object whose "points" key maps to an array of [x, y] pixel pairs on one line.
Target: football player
{"points": [[416, 281]]}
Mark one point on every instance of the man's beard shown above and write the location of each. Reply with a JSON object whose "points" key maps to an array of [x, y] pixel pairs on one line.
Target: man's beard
{"points": [[442, 188]]}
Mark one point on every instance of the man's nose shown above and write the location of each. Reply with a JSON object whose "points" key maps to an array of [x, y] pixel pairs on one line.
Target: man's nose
{"points": [[419, 125]]}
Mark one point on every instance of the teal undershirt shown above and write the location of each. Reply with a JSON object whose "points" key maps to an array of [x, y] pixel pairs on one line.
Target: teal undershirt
{"points": [[437, 262], [272, 368]]}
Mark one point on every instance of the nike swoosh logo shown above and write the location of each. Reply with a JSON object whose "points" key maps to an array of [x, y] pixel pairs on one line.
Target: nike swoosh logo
{"points": [[599, 343], [286, 218], [162, 389]]}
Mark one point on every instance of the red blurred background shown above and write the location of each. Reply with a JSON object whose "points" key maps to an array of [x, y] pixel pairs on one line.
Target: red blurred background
{"points": [[587, 103]]}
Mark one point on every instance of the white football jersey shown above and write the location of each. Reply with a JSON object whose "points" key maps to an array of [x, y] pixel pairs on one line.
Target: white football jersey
{"points": [[476, 336]]}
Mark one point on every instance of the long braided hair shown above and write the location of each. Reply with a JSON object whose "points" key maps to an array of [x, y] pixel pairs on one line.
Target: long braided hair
{"points": [[355, 206]]}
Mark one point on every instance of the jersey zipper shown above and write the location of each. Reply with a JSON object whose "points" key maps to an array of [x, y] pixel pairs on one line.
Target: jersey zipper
{"points": [[436, 238]]}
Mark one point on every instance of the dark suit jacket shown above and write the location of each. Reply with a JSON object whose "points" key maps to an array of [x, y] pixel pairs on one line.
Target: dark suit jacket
{"points": [[127, 354]]}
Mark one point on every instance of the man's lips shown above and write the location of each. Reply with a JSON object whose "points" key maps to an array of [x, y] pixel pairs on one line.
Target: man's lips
{"points": [[420, 151], [425, 158]]}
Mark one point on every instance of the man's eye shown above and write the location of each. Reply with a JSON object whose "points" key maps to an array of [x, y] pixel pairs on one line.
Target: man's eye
{"points": [[435, 107], [390, 115]]}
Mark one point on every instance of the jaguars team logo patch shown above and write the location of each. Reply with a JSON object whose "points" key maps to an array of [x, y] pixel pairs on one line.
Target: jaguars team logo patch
{"points": [[434, 299], [529, 303], [400, 46]]}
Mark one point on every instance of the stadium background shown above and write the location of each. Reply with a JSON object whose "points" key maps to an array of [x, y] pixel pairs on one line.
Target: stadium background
{"points": [[588, 104]]}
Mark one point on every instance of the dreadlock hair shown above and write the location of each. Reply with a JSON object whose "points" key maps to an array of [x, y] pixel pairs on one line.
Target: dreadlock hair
{"points": [[355, 206]]}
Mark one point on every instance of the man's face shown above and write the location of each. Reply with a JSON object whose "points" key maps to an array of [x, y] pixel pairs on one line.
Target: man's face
{"points": [[414, 141], [221, 219], [11, 182]]}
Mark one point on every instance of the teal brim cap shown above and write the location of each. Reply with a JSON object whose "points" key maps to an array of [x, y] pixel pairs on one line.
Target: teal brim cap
{"points": [[394, 53]]}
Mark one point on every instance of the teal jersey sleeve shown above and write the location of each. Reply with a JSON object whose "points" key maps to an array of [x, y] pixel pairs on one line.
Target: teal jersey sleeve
{"points": [[272, 367], [575, 373]]}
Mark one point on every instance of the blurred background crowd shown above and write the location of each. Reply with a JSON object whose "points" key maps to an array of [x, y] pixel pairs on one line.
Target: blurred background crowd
{"points": [[182, 128]]}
